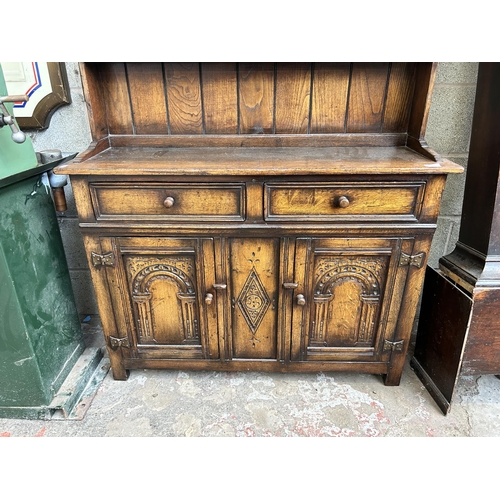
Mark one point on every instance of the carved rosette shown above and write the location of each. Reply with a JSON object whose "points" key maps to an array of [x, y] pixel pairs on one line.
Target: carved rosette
{"points": [[143, 272], [367, 275]]}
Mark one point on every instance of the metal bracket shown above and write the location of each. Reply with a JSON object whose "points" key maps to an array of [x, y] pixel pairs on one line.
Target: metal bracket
{"points": [[393, 346], [412, 260], [115, 342], [107, 259]]}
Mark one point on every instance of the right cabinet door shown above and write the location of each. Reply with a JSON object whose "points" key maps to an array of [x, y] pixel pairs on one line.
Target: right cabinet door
{"points": [[348, 297]]}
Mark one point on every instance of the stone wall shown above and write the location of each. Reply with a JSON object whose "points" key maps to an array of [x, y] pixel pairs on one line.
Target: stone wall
{"points": [[448, 132], [69, 131]]}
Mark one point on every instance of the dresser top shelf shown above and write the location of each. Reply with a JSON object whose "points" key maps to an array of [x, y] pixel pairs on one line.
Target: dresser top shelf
{"points": [[259, 161], [255, 119]]}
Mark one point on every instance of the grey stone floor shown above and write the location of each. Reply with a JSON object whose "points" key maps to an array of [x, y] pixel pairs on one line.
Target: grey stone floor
{"points": [[182, 403]]}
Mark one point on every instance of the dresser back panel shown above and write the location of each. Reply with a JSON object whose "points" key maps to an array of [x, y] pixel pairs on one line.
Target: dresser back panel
{"points": [[254, 98]]}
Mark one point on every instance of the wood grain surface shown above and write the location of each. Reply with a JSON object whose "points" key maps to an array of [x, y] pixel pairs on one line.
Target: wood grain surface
{"points": [[256, 98], [184, 98], [150, 115]]}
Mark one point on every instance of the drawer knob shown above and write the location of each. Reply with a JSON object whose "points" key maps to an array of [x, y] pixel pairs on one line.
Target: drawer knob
{"points": [[301, 300], [169, 202], [343, 202], [208, 298]]}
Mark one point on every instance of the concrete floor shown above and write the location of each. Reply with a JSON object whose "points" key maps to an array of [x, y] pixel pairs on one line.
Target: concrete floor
{"points": [[181, 403]]}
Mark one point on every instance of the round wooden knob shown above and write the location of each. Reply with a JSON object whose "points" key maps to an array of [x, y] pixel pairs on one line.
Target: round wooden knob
{"points": [[208, 298], [343, 202], [301, 300], [169, 202]]}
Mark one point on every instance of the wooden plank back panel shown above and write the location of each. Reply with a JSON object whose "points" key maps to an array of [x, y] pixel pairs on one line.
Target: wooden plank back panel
{"points": [[117, 98], [367, 96], [399, 96], [220, 98], [329, 97], [424, 83], [149, 114], [184, 98], [293, 96], [256, 98], [92, 90]]}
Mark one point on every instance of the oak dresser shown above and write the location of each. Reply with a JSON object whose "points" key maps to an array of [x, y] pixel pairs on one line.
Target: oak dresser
{"points": [[258, 216]]}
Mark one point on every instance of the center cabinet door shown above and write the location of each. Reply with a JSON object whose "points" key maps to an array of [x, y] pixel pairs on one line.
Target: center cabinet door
{"points": [[254, 285], [160, 286], [348, 297]]}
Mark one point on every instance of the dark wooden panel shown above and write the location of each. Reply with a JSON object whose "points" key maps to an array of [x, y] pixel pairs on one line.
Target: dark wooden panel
{"points": [[256, 92], [147, 94], [366, 97], [399, 97], [116, 98], [482, 352], [220, 100], [480, 226], [442, 328], [184, 98], [293, 92], [329, 97]]}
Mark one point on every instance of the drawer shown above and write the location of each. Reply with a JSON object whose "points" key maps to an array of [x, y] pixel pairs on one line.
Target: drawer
{"points": [[169, 201], [337, 201]]}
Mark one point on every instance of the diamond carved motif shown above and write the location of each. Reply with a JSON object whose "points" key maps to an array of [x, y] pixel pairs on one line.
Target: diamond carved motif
{"points": [[253, 301]]}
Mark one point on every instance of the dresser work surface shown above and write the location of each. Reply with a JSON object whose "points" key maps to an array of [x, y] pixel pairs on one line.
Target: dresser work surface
{"points": [[264, 251]]}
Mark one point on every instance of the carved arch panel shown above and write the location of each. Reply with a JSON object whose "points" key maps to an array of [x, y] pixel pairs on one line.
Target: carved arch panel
{"points": [[346, 304], [348, 288], [164, 299], [159, 286]]}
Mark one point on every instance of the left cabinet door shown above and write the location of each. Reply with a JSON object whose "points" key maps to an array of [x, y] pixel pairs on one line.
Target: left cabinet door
{"points": [[161, 293]]}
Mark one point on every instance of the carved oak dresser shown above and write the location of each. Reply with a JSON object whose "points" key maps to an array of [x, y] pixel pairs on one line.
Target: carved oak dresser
{"points": [[258, 216]]}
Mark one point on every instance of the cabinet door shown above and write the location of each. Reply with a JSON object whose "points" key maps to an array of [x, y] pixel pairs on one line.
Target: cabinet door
{"points": [[159, 288], [254, 267], [348, 297]]}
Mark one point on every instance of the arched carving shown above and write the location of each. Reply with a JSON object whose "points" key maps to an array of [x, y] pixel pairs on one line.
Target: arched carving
{"points": [[332, 273], [144, 272], [143, 279], [330, 277]]}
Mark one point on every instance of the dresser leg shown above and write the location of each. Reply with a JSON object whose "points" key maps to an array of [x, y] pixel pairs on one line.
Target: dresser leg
{"points": [[119, 372], [393, 377]]}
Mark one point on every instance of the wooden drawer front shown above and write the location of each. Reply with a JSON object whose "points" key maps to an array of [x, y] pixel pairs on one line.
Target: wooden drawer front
{"points": [[349, 201], [176, 201]]}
